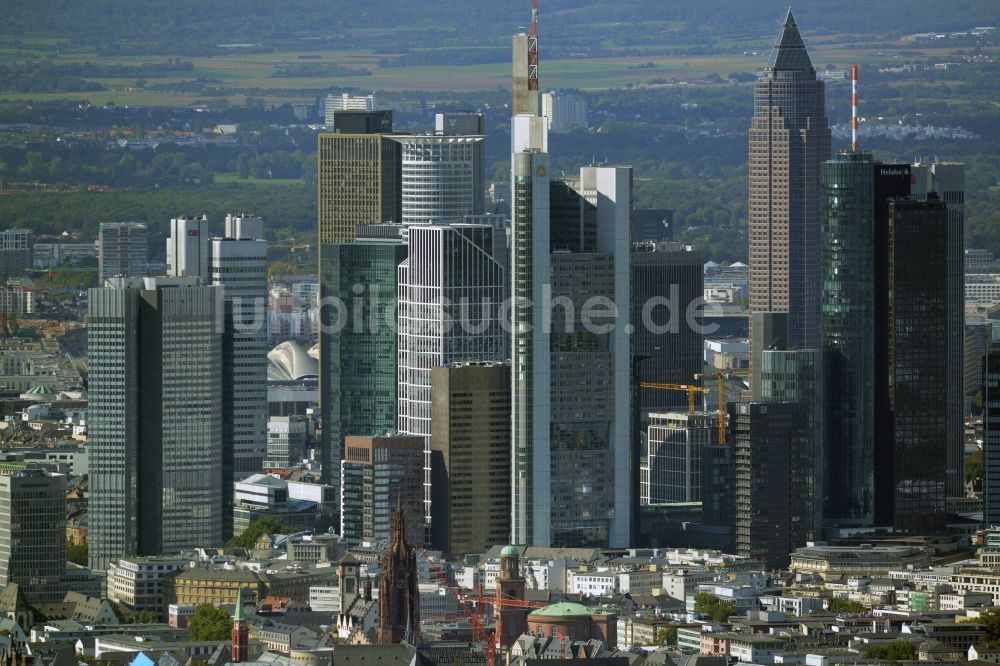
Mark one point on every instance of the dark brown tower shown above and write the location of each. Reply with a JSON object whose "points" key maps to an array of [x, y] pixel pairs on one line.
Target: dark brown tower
{"points": [[398, 595], [511, 618]]}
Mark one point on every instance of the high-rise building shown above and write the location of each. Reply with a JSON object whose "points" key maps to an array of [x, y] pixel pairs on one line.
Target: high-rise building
{"points": [[122, 250], [451, 290], [238, 264], [789, 140], [287, 439], [947, 179], [525, 79], [667, 290], [671, 466], [377, 473], [470, 456], [332, 104], [359, 176], [33, 533], [772, 462], [442, 177], [564, 111], [571, 399], [652, 224], [358, 371], [918, 362], [154, 418], [187, 247], [459, 123], [854, 303], [15, 253], [991, 432]]}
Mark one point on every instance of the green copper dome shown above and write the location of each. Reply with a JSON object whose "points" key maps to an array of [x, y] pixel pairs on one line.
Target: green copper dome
{"points": [[508, 551], [565, 609]]}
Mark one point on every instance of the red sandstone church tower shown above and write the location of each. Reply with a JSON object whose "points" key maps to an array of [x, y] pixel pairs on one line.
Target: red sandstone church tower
{"points": [[240, 649], [398, 594]]}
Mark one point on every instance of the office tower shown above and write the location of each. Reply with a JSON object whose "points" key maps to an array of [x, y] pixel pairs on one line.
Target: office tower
{"points": [[918, 361], [377, 473], [717, 482], [122, 250], [991, 432], [460, 123], [570, 378], [15, 253], [332, 104], [770, 329], [789, 140], [564, 111], [187, 247], [442, 177], [795, 375], [358, 372], [359, 176], [33, 533], [667, 289], [947, 179], [451, 290], [470, 456], [772, 461], [854, 302], [652, 224], [238, 264], [287, 439], [154, 418], [671, 466]]}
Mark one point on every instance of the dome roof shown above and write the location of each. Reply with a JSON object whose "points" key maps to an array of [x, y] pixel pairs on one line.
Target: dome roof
{"points": [[564, 609], [508, 551], [290, 362]]}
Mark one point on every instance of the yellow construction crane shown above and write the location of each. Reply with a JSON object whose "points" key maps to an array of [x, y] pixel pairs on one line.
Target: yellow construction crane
{"points": [[721, 376], [690, 388]]}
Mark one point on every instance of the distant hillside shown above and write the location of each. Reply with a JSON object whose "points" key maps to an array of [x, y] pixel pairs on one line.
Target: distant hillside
{"points": [[189, 27]]}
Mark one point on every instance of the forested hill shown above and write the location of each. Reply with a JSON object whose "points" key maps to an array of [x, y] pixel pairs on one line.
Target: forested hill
{"points": [[190, 27]]}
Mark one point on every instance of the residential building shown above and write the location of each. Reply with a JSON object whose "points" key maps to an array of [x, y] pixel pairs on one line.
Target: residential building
{"points": [[772, 458], [451, 291], [470, 456], [154, 418], [33, 533], [564, 111], [667, 290], [122, 250], [358, 361], [671, 464], [287, 439], [377, 473], [789, 140]]}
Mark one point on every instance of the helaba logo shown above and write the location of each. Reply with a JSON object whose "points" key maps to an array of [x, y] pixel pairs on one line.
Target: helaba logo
{"points": [[895, 172]]}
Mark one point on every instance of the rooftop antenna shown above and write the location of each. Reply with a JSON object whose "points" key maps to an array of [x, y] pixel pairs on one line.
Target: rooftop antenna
{"points": [[533, 48], [854, 108]]}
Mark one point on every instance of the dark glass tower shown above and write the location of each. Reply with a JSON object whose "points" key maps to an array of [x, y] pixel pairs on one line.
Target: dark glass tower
{"points": [[789, 140]]}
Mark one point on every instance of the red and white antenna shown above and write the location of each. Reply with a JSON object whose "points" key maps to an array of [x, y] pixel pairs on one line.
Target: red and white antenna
{"points": [[533, 48], [854, 107]]}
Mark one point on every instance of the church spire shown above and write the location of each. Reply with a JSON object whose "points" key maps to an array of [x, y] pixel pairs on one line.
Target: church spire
{"points": [[789, 50]]}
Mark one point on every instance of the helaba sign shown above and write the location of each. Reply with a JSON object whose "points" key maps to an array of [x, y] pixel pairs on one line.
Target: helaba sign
{"points": [[895, 171]]}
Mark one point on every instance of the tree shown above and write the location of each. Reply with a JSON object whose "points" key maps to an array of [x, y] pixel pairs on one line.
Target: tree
{"points": [[837, 605], [990, 619], [143, 617], [897, 651], [77, 554], [666, 636], [706, 603], [258, 528], [209, 623]]}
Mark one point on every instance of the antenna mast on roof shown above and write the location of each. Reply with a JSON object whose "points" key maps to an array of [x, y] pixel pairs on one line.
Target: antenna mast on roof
{"points": [[854, 107]]}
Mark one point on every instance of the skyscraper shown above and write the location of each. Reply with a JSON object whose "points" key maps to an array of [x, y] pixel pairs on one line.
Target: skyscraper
{"points": [[238, 264], [789, 140], [451, 289], [442, 177], [571, 380], [470, 456], [154, 418], [667, 288], [122, 250], [358, 372], [918, 362], [33, 533], [187, 247], [671, 468], [15, 253], [991, 431]]}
